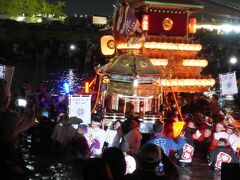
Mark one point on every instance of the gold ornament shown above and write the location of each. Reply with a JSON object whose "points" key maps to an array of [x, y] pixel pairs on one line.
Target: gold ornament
{"points": [[167, 24]]}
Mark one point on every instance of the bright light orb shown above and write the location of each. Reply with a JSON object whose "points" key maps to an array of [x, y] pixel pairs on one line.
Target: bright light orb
{"points": [[233, 60], [72, 47]]}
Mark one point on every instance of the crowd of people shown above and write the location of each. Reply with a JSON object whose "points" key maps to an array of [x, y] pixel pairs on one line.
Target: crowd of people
{"points": [[118, 150]]}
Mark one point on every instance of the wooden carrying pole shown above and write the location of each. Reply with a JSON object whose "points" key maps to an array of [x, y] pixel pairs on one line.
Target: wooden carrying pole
{"points": [[178, 109]]}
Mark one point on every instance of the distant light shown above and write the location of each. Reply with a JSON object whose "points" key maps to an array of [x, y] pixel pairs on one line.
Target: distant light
{"points": [[233, 60], [227, 28], [39, 20], [20, 18], [72, 47], [224, 28], [22, 102], [66, 87]]}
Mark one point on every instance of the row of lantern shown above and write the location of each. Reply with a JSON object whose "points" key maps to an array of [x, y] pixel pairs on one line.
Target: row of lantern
{"points": [[195, 62], [173, 46], [187, 82], [186, 62], [159, 62], [164, 46]]}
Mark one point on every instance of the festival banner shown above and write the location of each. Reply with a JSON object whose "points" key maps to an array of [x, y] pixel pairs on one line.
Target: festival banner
{"points": [[228, 83], [80, 106], [125, 23]]}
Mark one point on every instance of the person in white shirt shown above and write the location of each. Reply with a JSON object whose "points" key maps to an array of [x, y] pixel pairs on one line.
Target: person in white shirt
{"points": [[132, 135], [233, 139], [130, 161], [111, 132], [220, 132], [97, 136]]}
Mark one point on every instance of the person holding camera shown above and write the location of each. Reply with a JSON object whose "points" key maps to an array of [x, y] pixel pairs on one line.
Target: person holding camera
{"points": [[12, 124]]}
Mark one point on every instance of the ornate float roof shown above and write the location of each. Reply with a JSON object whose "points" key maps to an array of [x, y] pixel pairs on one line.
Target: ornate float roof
{"points": [[129, 64], [178, 3]]}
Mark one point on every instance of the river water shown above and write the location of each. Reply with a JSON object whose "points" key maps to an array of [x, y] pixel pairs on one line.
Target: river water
{"points": [[54, 75]]}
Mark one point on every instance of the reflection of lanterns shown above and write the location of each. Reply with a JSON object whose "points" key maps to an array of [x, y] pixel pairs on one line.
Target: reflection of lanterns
{"points": [[107, 45], [177, 128]]}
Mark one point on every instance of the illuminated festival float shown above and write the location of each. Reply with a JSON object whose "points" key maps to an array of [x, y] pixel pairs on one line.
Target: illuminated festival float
{"points": [[151, 53]]}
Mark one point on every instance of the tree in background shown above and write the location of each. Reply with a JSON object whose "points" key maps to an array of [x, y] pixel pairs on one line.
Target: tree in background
{"points": [[31, 7]]}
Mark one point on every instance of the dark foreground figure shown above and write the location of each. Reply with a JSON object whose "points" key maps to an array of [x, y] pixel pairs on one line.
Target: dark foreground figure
{"points": [[12, 124]]}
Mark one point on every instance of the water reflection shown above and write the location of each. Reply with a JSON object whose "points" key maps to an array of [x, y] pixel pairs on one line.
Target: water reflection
{"points": [[54, 75]]}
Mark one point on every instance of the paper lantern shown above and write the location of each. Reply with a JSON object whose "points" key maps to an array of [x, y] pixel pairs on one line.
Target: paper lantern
{"points": [[174, 82], [192, 27], [198, 47], [186, 82], [168, 82], [203, 63], [212, 82], [180, 82], [145, 22], [107, 45], [177, 128], [191, 82]]}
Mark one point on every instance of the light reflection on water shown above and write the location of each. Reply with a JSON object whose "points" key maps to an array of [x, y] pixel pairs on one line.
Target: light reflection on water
{"points": [[54, 76]]}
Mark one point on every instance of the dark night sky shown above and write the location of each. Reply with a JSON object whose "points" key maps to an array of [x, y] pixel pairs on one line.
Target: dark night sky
{"points": [[97, 7]]}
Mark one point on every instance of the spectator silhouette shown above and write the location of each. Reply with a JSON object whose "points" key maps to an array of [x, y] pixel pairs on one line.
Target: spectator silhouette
{"points": [[12, 124], [96, 168], [111, 156], [149, 157]]}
